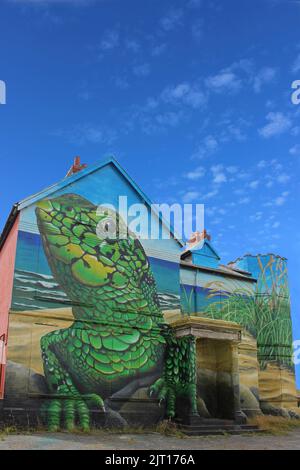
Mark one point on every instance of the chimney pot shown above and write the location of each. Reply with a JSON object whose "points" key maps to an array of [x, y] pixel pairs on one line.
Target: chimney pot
{"points": [[196, 237], [76, 167]]}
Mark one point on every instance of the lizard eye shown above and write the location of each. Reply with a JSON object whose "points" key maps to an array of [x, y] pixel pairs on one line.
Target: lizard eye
{"points": [[109, 225], [107, 228]]}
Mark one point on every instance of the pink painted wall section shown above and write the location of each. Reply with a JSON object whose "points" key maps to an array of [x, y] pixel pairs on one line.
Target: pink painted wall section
{"points": [[7, 265]]}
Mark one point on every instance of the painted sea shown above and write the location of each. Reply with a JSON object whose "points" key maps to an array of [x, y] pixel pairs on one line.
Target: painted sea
{"points": [[35, 288], [34, 291]]}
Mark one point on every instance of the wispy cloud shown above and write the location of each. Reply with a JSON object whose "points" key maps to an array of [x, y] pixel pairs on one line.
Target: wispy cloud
{"points": [[172, 19], [133, 45], [278, 123], [110, 40], [158, 49], [295, 150], [226, 80], [253, 184], [208, 146], [184, 93], [240, 75], [190, 196], [141, 70], [197, 29], [244, 200], [296, 64], [194, 3], [81, 134], [219, 175], [196, 174], [278, 201], [265, 76]]}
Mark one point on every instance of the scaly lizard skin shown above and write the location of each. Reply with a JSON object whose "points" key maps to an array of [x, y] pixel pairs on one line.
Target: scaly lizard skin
{"points": [[116, 339]]}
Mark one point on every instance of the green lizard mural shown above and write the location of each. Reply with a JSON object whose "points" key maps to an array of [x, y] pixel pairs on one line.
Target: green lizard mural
{"points": [[117, 342]]}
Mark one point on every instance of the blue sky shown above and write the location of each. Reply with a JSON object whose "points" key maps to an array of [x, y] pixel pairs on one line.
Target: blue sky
{"points": [[192, 97]]}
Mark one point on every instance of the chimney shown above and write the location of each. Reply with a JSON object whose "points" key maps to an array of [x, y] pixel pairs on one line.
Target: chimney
{"points": [[197, 237], [76, 167]]}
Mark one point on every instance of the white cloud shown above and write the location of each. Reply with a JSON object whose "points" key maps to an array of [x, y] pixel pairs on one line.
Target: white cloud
{"points": [[194, 3], [254, 184], [295, 150], [172, 19], [295, 131], [110, 40], [217, 221], [232, 169], [122, 83], [158, 49], [219, 175], [210, 194], [211, 143], [184, 93], [196, 174], [208, 146], [262, 164], [279, 201], [168, 119], [265, 75], [276, 225], [226, 80], [278, 123], [256, 216], [197, 29], [88, 133], [133, 45], [241, 74], [142, 70], [296, 64], [220, 178], [244, 200], [283, 178], [190, 196]]}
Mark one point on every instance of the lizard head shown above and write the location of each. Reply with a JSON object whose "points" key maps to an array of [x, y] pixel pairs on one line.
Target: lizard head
{"points": [[76, 239]]}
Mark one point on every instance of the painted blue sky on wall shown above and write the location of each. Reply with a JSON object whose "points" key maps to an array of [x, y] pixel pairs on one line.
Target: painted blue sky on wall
{"points": [[192, 97]]}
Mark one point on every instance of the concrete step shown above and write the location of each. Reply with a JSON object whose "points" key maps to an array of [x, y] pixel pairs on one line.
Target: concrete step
{"points": [[218, 427], [210, 432], [209, 427]]}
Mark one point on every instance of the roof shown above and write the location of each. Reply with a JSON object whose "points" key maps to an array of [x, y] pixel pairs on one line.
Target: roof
{"points": [[250, 255], [70, 180], [223, 270], [198, 247], [9, 224]]}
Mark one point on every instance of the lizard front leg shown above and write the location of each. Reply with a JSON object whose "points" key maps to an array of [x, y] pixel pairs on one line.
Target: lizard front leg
{"points": [[179, 378], [67, 401]]}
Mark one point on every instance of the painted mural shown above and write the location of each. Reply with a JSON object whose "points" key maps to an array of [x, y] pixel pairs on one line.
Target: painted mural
{"points": [[263, 309], [87, 322], [272, 308], [90, 340], [115, 339], [273, 331]]}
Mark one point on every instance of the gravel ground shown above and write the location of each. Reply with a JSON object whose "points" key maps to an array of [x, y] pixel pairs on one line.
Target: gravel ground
{"points": [[151, 441]]}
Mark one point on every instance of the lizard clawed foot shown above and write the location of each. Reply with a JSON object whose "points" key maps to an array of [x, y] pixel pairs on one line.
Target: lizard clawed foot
{"points": [[165, 394], [72, 410]]}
